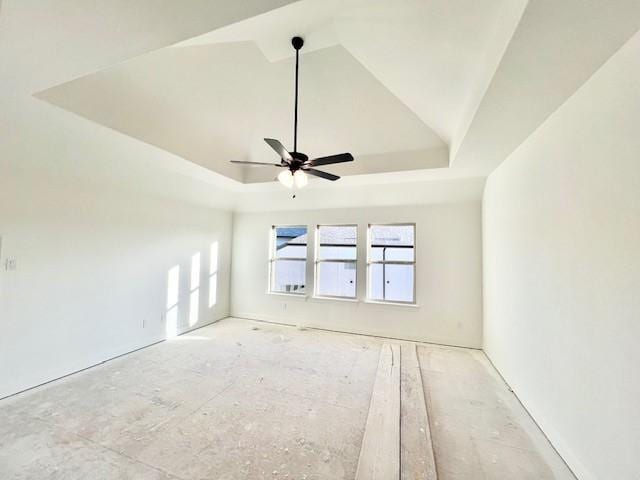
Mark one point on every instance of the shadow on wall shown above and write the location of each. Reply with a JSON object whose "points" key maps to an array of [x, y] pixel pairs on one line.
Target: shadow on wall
{"points": [[173, 305]]}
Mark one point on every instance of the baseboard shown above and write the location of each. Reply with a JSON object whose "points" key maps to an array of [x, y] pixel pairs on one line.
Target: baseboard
{"points": [[552, 436], [278, 321], [107, 357], [111, 355]]}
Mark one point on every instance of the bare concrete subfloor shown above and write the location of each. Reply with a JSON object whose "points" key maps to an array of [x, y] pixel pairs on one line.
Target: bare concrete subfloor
{"points": [[249, 400]]}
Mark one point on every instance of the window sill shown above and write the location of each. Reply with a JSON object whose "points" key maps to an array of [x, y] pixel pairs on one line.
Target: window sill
{"points": [[335, 299], [392, 304], [290, 294]]}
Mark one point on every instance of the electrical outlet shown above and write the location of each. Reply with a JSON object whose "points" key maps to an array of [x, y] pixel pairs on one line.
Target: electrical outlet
{"points": [[10, 264]]}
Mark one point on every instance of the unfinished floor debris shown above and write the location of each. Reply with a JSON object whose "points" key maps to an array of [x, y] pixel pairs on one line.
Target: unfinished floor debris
{"points": [[242, 399]]}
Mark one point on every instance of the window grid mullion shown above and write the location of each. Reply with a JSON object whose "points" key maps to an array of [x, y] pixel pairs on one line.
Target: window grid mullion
{"points": [[391, 262], [335, 260]]}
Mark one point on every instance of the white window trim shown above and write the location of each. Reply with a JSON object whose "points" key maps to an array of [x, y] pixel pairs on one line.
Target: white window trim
{"points": [[318, 261], [273, 259], [391, 262]]}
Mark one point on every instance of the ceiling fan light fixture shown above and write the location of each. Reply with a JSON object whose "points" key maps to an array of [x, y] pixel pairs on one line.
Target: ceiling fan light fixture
{"points": [[300, 178], [285, 177]]}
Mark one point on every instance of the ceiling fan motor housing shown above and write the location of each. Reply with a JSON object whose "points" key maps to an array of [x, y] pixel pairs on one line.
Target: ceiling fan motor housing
{"points": [[299, 159]]}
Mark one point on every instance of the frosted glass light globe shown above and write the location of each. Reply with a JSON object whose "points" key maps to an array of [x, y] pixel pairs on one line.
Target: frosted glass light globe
{"points": [[286, 178], [300, 178]]}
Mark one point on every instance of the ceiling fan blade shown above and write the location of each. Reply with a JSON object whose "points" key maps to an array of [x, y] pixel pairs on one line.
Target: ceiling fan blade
{"points": [[258, 163], [339, 158], [279, 148], [321, 174]]}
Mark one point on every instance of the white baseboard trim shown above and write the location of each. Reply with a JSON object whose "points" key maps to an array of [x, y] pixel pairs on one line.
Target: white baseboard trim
{"points": [[279, 321], [553, 437], [107, 357]]}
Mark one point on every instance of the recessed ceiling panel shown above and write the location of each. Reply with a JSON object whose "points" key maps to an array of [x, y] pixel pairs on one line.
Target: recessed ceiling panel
{"points": [[390, 82], [214, 103]]}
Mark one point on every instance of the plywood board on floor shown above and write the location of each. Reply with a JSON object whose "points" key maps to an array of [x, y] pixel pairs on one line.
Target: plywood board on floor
{"points": [[416, 450], [380, 452]]}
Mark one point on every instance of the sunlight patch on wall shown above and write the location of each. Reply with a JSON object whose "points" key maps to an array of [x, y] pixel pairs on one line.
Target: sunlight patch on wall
{"points": [[194, 295], [213, 274], [173, 290]]}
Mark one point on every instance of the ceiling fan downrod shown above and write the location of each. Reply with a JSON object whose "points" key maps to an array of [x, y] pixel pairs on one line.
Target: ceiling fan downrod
{"points": [[297, 43]]}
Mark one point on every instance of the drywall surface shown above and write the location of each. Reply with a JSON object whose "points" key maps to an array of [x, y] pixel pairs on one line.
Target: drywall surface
{"points": [[91, 274], [448, 274], [561, 223]]}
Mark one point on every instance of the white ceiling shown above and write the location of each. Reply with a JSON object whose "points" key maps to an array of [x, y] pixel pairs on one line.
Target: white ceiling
{"points": [[479, 78], [214, 98], [555, 50], [444, 44], [214, 103]]}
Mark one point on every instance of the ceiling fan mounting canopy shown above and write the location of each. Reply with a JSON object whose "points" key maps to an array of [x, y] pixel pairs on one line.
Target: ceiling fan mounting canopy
{"points": [[297, 162], [297, 42]]}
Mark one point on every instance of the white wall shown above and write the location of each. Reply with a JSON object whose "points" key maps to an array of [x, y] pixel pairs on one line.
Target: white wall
{"points": [[91, 276], [448, 280], [562, 272]]}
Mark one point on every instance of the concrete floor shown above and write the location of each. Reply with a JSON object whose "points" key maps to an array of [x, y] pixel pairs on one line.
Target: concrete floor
{"points": [[242, 399]]}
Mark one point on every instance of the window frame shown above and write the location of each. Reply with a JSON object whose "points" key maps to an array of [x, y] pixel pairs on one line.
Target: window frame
{"points": [[391, 262], [273, 259], [318, 261]]}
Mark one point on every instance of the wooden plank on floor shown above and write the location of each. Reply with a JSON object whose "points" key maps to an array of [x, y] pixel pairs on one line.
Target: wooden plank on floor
{"points": [[416, 450], [380, 451]]}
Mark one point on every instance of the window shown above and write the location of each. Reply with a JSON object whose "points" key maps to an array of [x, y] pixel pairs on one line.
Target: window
{"points": [[336, 261], [391, 263], [288, 259]]}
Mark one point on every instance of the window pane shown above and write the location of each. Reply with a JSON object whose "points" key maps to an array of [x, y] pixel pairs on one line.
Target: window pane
{"points": [[399, 283], [390, 254], [336, 279], [392, 235], [376, 291], [404, 254], [292, 251], [376, 254], [288, 276], [392, 283], [337, 234], [291, 242], [337, 242], [336, 253]]}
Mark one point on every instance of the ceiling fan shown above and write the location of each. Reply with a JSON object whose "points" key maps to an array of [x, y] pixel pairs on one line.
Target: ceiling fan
{"points": [[297, 164]]}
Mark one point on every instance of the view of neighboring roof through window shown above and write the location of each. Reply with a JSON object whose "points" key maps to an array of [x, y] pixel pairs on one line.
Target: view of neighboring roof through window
{"points": [[288, 259]]}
